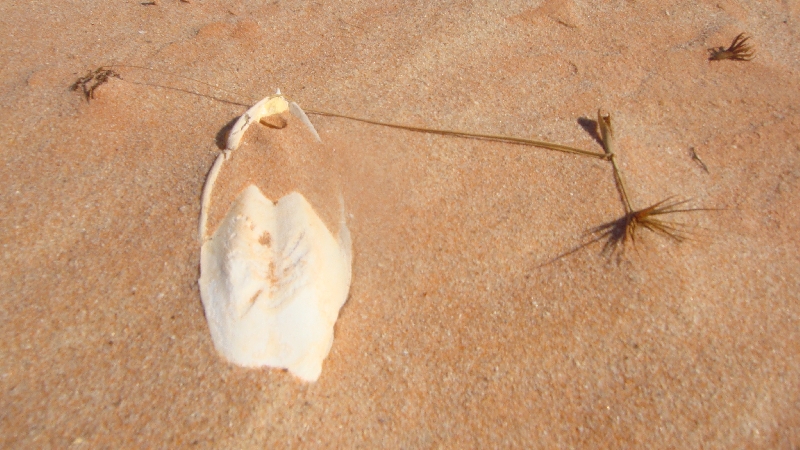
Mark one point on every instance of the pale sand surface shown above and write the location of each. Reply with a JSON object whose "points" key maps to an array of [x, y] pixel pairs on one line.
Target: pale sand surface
{"points": [[454, 334]]}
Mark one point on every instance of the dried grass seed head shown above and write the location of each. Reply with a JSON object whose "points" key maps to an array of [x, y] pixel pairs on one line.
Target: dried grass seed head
{"points": [[739, 50]]}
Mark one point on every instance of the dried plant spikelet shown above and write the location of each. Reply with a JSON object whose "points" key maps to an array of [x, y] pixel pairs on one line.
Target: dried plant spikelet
{"points": [[618, 232], [606, 131], [739, 50]]}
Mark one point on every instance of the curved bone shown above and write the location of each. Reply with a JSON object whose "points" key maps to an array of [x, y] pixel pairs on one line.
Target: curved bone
{"points": [[274, 104]]}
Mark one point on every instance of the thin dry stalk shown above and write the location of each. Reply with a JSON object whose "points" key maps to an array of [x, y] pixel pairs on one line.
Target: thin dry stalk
{"points": [[607, 136], [465, 134], [616, 233]]}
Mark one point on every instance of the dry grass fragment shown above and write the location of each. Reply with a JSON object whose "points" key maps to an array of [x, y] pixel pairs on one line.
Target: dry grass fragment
{"points": [[93, 80], [696, 158]]}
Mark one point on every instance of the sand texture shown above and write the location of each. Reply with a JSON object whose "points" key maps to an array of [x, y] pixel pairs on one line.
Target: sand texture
{"points": [[464, 328]]}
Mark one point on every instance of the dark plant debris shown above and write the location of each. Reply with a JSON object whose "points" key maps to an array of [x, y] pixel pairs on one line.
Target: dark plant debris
{"points": [[696, 158], [739, 50], [93, 80], [618, 232]]}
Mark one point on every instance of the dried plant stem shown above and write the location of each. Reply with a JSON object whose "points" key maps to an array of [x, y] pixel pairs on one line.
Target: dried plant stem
{"points": [[455, 133], [607, 136], [177, 75], [621, 184], [617, 232], [465, 134]]}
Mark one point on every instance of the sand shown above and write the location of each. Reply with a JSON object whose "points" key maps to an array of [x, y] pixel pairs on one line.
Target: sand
{"points": [[464, 328]]}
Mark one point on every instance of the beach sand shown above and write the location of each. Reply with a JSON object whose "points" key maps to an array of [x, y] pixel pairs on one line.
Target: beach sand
{"points": [[464, 328]]}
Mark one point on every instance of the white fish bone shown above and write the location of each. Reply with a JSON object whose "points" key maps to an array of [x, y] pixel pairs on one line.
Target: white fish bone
{"points": [[272, 281], [272, 277]]}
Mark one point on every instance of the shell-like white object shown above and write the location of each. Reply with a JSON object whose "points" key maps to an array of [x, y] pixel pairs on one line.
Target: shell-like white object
{"points": [[272, 281]]}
